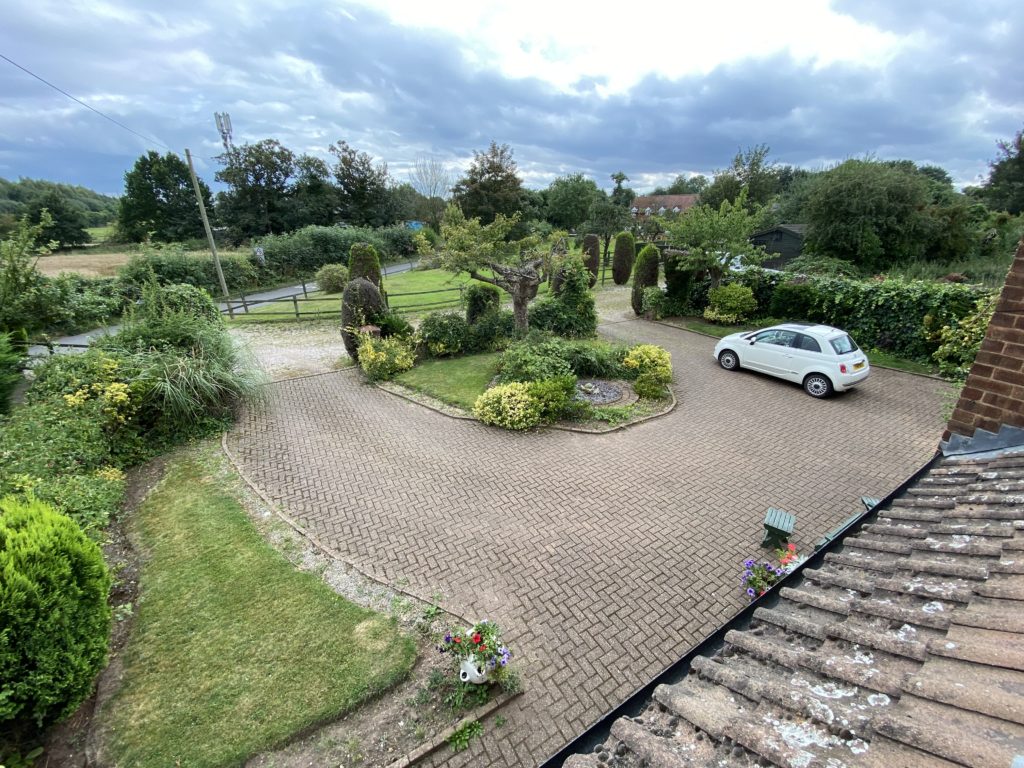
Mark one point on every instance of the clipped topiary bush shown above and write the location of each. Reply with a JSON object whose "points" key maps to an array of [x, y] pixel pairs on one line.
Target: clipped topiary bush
{"points": [[731, 303], [623, 257], [361, 304], [652, 367], [480, 299], [332, 278], [364, 262], [510, 406], [592, 256], [53, 611], [444, 334], [645, 275]]}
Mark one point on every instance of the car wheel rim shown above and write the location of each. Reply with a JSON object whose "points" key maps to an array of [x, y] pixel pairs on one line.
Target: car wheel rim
{"points": [[728, 361], [817, 387]]}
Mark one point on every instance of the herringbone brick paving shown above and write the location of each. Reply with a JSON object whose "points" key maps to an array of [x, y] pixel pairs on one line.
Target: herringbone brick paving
{"points": [[604, 557]]}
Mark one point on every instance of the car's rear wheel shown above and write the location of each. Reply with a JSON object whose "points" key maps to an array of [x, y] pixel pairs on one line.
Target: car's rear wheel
{"points": [[729, 360], [818, 385]]}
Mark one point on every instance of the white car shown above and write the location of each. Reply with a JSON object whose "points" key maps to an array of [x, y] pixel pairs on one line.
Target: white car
{"points": [[821, 359]]}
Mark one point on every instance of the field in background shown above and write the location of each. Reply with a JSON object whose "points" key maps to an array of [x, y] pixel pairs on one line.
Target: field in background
{"points": [[94, 262]]}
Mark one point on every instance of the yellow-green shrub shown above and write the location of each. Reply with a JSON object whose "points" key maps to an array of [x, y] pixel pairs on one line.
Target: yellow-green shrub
{"points": [[652, 367], [383, 359], [510, 406]]}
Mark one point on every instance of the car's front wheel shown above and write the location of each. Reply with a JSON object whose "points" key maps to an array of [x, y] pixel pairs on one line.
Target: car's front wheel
{"points": [[818, 385], [729, 360]]}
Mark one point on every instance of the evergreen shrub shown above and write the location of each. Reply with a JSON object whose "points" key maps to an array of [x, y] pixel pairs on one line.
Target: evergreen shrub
{"points": [[480, 299], [645, 275], [364, 262], [623, 257], [444, 334], [332, 278], [510, 406], [361, 304], [53, 611]]}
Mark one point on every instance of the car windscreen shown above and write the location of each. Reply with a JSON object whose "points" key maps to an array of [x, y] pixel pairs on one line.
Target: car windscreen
{"points": [[843, 344]]}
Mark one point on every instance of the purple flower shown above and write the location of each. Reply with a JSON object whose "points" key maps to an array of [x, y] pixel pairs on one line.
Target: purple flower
{"points": [[447, 637], [749, 563], [751, 592], [779, 571], [748, 574]]}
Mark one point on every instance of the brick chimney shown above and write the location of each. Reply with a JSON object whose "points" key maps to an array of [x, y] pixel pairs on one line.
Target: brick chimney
{"points": [[990, 412]]}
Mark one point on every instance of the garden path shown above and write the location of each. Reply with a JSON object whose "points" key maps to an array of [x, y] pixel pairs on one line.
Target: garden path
{"points": [[604, 557]]}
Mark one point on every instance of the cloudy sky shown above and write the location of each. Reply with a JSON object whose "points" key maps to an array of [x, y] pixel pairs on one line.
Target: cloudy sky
{"points": [[652, 90]]}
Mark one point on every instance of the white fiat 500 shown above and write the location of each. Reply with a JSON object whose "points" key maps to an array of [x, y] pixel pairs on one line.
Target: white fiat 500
{"points": [[821, 359]]}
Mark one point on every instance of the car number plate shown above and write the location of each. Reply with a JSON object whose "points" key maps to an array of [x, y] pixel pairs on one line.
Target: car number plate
{"points": [[858, 365]]}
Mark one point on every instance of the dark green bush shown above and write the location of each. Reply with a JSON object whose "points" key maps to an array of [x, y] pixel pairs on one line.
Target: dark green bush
{"points": [[363, 261], [444, 334], [540, 356], [592, 256], [645, 274], [171, 264], [53, 611], [531, 362], [679, 281], [10, 370], [572, 313], [622, 257], [304, 251], [361, 304], [480, 298], [553, 396], [731, 300], [793, 301], [393, 324], [491, 331], [332, 278], [824, 266], [399, 241], [158, 301]]}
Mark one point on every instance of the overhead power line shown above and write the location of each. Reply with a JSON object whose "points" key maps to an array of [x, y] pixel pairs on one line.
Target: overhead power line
{"points": [[79, 101]]}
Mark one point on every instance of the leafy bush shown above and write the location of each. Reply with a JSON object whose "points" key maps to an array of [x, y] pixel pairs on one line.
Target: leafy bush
{"points": [[170, 264], [53, 610], [712, 315], [553, 396], [383, 359], [731, 300], [962, 338], [10, 370], [572, 312], [510, 406], [491, 331], [393, 324], [361, 304], [793, 300], [480, 299], [622, 257], [331, 278], [90, 500], [304, 251], [680, 280], [159, 301], [399, 241], [645, 275], [652, 367], [363, 261], [654, 302], [527, 362], [444, 334], [825, 266]]}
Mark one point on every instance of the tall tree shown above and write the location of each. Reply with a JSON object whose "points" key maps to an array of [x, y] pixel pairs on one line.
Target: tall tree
{"points": [[569, 199], [312, 197], [621, 195], [491, 185], [486, 254], [259, 176], [432, 179], [363, 187], [1004, 190], [683, 185], [750, 171], [159, 200], [67, 224], [606, 219]]}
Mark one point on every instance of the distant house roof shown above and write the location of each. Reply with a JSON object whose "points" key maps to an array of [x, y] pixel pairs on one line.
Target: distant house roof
{"points": [[797, 229], [658, 205]]}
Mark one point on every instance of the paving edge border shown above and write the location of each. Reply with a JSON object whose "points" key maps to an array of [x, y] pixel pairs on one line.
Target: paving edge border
{"points": [[931, 376], [438, 741], [441, 738], [327, 551], [446, 410]]}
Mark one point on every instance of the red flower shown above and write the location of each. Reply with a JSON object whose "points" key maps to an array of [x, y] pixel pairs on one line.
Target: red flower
{"points": [[458, 639], [476, 638], [483, 647]]}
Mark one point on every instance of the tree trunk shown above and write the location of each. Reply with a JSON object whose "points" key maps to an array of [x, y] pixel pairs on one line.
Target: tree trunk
{"points": [[519, 311]]}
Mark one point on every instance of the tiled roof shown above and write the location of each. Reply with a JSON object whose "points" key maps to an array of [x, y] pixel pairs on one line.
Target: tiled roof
{"points": [[904, 648], [668, 202]]}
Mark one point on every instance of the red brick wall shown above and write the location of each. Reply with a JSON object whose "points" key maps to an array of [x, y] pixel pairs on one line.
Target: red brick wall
{"points": [[994, 392]]}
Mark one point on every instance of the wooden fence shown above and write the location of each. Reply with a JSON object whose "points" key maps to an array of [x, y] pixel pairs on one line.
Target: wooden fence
{"points": [[245, 304]]}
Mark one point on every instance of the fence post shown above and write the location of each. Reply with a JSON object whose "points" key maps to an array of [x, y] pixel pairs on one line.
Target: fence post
{"points": [[245, 304], [304, 294], [295, 303]]}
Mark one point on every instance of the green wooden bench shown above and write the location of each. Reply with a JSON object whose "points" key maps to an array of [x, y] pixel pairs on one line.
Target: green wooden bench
{"points": [[778, 527]]}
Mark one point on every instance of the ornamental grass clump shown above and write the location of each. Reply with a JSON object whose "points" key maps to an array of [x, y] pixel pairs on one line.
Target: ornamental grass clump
{"points": [[758, 578]]}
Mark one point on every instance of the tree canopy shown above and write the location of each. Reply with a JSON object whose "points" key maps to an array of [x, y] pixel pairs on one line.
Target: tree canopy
{"points": [[569, 199], [65, 224], [1004, 190], [159, 201], [364, 195], [259, 176], [491, 186]]}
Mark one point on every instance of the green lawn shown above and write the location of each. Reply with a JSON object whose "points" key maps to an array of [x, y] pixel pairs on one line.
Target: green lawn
{"points": [[233, 650], [425, 291], [458, 381]]}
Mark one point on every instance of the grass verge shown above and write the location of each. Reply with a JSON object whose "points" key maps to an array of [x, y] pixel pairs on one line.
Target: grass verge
{"points": [[457, 381], [233, 651]]}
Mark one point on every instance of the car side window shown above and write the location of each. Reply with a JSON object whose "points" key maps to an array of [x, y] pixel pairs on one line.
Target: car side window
{"points": [[806, 343]]}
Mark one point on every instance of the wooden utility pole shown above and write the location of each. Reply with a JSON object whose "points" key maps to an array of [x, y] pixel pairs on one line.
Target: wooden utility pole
{"points": [[209, 233]]}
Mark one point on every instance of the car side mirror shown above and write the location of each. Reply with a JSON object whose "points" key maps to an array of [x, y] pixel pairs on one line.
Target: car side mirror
{"points": [[752, 342]]}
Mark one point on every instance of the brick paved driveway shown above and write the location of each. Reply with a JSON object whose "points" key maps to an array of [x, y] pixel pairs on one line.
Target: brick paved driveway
{"points": [[619, 551]]}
